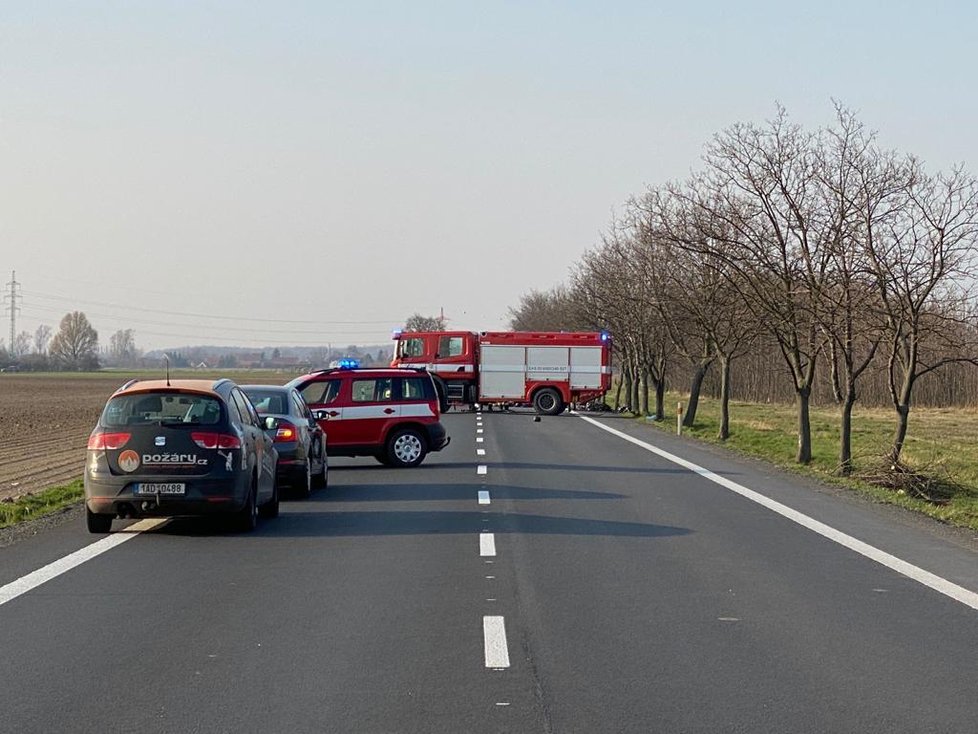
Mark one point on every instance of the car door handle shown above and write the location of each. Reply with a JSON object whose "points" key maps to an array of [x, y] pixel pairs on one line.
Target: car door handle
{"points": [[388, 410], [334, 413]]}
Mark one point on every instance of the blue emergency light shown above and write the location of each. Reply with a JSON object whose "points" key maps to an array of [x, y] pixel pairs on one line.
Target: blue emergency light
{"points": [[349, 363]]}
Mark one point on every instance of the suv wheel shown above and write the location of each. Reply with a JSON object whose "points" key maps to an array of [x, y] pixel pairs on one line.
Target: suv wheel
{"points": [[98, 523], [406, 447]]}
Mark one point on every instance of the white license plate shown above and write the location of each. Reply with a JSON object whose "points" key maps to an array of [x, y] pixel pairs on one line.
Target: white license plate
{"points": [[161, 488]]}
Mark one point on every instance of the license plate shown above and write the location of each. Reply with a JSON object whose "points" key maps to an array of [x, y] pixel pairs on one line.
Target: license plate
{"points": [[161, 488]]}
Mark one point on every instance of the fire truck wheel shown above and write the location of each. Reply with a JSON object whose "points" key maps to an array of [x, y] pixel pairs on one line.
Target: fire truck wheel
{"points": [[548, 401], [406, 447]]}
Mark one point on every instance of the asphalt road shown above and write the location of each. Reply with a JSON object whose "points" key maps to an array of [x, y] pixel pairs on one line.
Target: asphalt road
{"points": [[580, 583]]}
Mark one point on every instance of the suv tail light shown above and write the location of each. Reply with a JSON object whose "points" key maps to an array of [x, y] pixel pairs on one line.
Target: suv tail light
{"points": [[285, 432], [208, 440], [110, 441]]}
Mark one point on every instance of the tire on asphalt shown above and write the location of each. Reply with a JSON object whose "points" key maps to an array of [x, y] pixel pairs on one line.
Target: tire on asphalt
{"points": [[246, 519], [270, 508], [547, 401], [406, 447]]}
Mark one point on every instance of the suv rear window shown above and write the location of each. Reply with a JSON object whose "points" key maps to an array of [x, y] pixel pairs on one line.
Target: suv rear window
{"points": [[162, 407], [371, 391], [416, 388]]}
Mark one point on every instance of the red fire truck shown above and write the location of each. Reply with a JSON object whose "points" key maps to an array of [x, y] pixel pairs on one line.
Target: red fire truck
{"points": [[546, 369]]}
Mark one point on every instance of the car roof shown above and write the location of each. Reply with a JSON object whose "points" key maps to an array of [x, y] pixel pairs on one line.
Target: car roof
{"points": [[365, 371], [202, 386], [278, 388]]}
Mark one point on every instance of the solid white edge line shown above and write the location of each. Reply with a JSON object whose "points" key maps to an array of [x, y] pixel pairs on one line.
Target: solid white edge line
{"points": [[933, 581], [494, 634], [481, 469], [31, 581], [487, 544], [483, 497]]}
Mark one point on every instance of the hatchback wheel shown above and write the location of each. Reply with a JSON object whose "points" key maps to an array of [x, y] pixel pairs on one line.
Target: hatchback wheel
{"points": [[406, 447]]}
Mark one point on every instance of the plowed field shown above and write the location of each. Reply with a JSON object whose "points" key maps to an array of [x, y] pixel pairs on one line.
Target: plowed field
{"points": [[45, 421]]}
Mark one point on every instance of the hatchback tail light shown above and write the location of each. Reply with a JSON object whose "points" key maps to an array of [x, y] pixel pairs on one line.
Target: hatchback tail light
{"points": [[285, 432], [209, 440], [110, 441]]}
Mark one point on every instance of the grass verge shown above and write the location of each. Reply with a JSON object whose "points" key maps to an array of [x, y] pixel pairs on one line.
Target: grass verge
{"points": [[940, 447], [43, 503]]}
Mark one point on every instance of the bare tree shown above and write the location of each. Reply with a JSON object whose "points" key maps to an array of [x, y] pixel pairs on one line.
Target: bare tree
{"points": [[417, 322], [758, 205], [122, 346], [76, 343], [920, 266], [42, 335], [862, 195], [22, 344], [552, 310]]}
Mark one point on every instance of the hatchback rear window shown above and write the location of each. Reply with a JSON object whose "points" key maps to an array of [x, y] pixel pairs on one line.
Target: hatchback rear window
{"points": [[162, 407]]}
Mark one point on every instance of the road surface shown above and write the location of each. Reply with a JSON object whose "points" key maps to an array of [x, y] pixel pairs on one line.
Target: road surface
{"points": [[549, 576]]}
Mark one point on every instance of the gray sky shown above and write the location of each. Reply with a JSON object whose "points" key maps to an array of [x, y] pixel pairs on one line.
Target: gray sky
{"points": [[312, 172]]}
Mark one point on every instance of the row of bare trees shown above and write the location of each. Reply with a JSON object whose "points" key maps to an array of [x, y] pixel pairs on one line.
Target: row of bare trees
{"points": [[816, 247]]}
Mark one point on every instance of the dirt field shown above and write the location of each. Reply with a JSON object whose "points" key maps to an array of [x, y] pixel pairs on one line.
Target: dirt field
{"points": [[45, 420]]}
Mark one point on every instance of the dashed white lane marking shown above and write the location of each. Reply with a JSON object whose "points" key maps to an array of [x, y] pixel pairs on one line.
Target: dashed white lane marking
{"points": [[937, 583], [480, 439], [483, 497], [494, 633], [480, 452], [487, 544], [478, 430], [34, 579], [481, 469]]}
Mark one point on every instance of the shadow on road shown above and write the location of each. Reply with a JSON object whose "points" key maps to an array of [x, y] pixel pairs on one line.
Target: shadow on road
{"points": [[342, 524], [448, 492], [434, 466]]}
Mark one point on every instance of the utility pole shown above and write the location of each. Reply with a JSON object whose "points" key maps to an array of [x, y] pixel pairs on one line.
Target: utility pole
{"points": [[12, 295]]}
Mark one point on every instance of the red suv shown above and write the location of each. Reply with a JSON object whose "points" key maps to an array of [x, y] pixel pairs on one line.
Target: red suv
{"points": [[390, 414]]}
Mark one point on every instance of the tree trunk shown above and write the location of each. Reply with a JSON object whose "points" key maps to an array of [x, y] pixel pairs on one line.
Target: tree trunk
{"points": [[900, 433], [724, 433], [660, 398], [802, 396], [626, 378], [645, 392], [845, 438], [694, 394], [621, 382], [836, 386]]}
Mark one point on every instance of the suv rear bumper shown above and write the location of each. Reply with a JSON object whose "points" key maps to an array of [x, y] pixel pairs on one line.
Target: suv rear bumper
{"points": [[438, 438]]}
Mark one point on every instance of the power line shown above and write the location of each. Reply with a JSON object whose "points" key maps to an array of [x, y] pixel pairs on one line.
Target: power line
{"points": [[128, 308]]}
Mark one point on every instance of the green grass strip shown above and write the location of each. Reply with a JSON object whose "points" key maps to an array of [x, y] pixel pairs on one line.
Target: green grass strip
{"points": [[43, 503]]}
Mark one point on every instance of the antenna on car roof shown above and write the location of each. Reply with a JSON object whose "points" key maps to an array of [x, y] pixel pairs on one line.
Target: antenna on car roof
{"points": [[166, 361]]}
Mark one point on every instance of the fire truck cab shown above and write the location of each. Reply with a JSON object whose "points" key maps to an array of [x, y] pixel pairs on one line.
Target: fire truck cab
{"points": [[548, 370]]}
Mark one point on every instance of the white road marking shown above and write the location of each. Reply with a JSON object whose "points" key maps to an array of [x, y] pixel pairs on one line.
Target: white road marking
{"points": [[483, 497], [487, 544], [948, 588], [54, 569], [478, 430], [480, 439], [494, 634], [480, 452], [481, 469]]}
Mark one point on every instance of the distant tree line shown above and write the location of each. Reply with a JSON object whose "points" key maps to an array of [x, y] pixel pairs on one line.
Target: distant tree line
{"points": [[809, 265]]}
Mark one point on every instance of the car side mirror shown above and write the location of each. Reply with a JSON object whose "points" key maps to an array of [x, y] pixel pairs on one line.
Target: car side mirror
{"points": [[320, 415]]}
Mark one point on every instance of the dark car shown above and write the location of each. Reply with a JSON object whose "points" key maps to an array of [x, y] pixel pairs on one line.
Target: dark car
{"points": [[180, 447], [300, 441], [391, 414]]}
